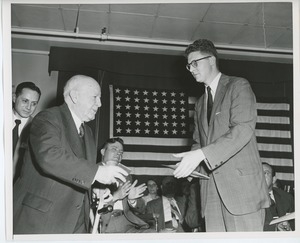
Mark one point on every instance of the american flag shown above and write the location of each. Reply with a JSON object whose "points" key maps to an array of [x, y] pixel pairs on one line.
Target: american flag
{"points": [[155, 124]]}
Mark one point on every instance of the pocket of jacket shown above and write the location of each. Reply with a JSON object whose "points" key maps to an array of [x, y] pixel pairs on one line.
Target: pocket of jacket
{"points": [[36, 202], [245, 172]]}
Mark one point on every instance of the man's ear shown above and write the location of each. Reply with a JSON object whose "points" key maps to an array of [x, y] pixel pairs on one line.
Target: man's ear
{"points": [[73, 96], [14, 97], [102, 152], [212, 60]]}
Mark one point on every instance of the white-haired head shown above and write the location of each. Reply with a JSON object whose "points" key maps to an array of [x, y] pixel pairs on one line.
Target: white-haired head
{"points": [[82, 95]]}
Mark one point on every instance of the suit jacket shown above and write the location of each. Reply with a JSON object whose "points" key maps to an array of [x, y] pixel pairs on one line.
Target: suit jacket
{"points": [[21, 147], [187, 208], [56, 176], [129, 215], [230, 147], [284, 203]]}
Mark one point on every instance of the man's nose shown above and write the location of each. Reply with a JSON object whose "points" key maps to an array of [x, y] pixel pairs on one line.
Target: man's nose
{"points": [[192, 68], [98, 102], [28, 106]]}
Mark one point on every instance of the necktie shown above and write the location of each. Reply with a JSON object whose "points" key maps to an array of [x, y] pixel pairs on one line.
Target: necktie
{"points": [[176, 216], [81, 131], [81, 136], [16, 133], [209, 103]]}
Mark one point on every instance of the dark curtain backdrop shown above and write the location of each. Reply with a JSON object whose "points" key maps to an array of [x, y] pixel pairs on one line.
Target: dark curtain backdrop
{"points": [[270, 81], [267, 79]]}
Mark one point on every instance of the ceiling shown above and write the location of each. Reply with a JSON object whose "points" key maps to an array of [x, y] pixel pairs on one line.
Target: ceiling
{"points": [[239, 30]]}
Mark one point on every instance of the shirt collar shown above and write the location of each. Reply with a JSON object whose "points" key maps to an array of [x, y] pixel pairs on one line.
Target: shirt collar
{"points": [[22, 119], [214, 84], [76, 119], [272, 195]]}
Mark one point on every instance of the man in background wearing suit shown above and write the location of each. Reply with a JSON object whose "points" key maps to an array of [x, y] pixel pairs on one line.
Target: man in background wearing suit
{"points": [[25, 101], [52, 194], [126, 196], [173, 212], [225, 148], [282, 203]]}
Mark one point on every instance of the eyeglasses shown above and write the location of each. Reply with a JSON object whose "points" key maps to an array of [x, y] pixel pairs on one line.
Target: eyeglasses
{"points": [[194, 63]]}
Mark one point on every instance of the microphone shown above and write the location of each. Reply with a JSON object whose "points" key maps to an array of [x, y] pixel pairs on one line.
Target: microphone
{"points": [[106, 209]]}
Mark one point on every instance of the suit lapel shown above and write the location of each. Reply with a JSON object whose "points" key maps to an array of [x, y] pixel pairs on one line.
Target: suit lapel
{"points": [[181, 201], [202, 115], [71, 131], [280, 205], [221, 90], [89, 145], [161, 212]]}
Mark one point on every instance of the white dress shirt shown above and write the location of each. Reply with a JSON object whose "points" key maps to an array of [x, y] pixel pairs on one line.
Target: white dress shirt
{"points": [[22, 124]]}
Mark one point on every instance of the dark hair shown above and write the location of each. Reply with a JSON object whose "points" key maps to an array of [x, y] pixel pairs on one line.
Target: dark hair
{"points": [[204, 46], [111, 141], [272, 168], [28, 85], [152, 180]]}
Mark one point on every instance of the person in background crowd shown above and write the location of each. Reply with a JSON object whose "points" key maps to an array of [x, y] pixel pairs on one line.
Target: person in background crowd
{"points": [[152, 191], [25, 101], [282, 203], [126, 196], [51, 195], [278, 184], [173, 212], [225, 149], [186, 188]]}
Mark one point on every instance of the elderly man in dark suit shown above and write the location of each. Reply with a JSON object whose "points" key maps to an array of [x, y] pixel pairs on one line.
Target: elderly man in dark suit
{"points": [[282, 203], [225, 148], [25, 101], [52, 194]]}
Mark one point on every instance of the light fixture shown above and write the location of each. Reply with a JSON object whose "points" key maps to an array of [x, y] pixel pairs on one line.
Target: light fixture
{"points": [[76, 29]]}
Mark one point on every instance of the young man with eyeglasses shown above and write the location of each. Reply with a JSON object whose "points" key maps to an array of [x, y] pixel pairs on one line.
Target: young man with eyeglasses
{"points": [[225, 148]]}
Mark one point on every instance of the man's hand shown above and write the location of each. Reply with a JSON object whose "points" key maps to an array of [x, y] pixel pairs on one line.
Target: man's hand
{"points": [[122, 191], [136, 192], [284, 226], [108, 174], [105, 193], [190, 161]]}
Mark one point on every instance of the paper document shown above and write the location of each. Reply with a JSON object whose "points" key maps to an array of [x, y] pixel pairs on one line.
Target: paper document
{"points": [[193, 174], [283, 218]]}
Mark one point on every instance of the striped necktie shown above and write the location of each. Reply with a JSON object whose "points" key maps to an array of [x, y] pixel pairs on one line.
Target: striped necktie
{"points": [[176, 216]]}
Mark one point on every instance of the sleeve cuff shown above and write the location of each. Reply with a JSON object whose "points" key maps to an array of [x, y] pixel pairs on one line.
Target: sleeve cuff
{"points": [[132, 203]]}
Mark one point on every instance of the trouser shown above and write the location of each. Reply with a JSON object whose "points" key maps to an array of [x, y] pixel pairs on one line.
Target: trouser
{"points": [[219, 219], [120, 224]]}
